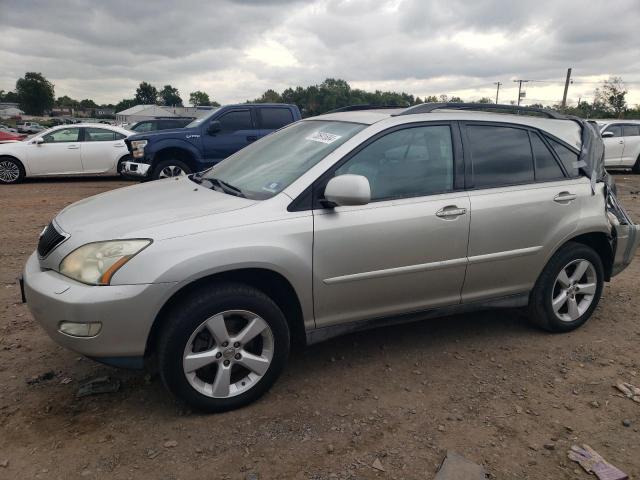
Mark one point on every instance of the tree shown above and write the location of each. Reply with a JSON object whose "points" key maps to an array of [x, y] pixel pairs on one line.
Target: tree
{"points": [[170, 96], [146, 94], [35, 93], [270, 96], [125, 104], [455, 99], [67, 102], [484, 100], [611, 96], [199, 98], [87, 103], [9, 97]]}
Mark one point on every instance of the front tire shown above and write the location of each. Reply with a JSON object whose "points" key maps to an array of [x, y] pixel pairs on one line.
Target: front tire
{"points": [[170, 168], [223, 347], [568, 290], [11, 171]]}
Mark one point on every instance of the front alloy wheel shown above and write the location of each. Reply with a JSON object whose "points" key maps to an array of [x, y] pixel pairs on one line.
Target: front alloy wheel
{"points": [[10, 171], [171, 171], [222, 346], [228, 353]]}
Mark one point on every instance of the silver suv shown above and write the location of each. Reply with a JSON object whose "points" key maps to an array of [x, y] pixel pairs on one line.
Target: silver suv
{"points": [[332, 224]]}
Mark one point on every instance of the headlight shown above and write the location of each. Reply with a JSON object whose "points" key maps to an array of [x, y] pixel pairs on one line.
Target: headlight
{"points": [[138, 144], [95, 263]]}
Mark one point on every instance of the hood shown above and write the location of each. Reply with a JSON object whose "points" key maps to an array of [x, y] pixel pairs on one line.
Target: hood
{"points": [[123, 212]]}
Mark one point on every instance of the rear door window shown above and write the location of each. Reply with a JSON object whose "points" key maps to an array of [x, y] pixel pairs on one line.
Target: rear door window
{"points": [[547, 167], [234, 121], [631, 130], [500, 155], [100, 135], [273, 118]]}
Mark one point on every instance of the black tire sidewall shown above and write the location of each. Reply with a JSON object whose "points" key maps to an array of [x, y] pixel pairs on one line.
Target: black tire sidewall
{"points": [[190, 313], [542, 308], [165, 163], [21, 175]]}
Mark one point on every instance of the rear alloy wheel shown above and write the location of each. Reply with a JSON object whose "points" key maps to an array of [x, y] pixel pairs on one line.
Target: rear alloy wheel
{"points": [[170, 168], [11, 171], [223, 347], [568, 290]]}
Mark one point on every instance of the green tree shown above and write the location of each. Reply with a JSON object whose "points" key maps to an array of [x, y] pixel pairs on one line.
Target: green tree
{"points": [[125, 104], [35, 93], [200, 98], [170, 96], [270, 96], [10, 97], [146, 94], [484, 100], [87, 103], [66, 101], [612, 96]]}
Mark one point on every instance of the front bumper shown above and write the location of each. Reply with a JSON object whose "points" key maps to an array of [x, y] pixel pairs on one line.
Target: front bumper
{"points": [[126, 312], [136, 169]]}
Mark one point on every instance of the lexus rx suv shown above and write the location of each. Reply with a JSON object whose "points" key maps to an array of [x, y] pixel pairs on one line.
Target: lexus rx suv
{"points": [[333, 224]]}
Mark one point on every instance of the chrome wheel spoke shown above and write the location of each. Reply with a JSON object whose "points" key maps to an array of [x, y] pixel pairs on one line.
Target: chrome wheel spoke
{"points": [[220, 386], [586, 288], [573, 310], [218, 329], [195, 361], [580, 270], [559, 301], [255, 363], [254, 328], [564, 279]]}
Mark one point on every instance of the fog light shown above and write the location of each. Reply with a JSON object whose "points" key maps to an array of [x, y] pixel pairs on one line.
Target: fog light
{"points": [[80, 329]]}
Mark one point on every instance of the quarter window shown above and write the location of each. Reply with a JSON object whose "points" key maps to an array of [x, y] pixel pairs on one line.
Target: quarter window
{"points": [[274, 118], [63, 135], [547, 167], [500, 156], [411, 162], [233, 121], [567, 156]]}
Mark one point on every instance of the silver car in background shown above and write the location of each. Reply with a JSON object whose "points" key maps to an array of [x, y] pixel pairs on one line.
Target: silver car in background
{"points": [[622, 143], [333, 224]]}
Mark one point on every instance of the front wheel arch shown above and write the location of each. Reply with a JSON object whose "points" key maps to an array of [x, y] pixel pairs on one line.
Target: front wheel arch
{"points": [[18, 162]]}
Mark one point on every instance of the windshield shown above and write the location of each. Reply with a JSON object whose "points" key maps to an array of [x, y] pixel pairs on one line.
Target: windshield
{"points": [[199, 121], [265, 168]]}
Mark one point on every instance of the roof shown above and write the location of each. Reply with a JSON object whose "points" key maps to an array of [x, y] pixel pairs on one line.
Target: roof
{"points": [[148, 110], [124, 131], [565, 129]]}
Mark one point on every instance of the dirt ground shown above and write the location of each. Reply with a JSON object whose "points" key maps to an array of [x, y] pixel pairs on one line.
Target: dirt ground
{"points": [[486, 385]]}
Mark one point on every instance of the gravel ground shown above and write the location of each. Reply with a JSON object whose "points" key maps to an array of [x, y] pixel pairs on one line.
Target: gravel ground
{"points": [[487, 385]]}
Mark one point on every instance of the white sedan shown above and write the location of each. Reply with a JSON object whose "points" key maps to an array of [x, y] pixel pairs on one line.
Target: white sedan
{"points": [[81, 149]]}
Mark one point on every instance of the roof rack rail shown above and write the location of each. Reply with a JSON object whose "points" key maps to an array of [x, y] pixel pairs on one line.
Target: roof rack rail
{"points": [[355, 108], [515, 109]]}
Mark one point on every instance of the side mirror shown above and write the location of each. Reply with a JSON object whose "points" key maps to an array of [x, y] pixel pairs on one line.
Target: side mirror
{"points": [[607, 134], [214, 127], [38, 140], [348, 190]]}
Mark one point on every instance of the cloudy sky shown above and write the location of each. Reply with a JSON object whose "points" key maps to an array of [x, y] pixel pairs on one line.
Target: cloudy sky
{"points": [[234, 50]]}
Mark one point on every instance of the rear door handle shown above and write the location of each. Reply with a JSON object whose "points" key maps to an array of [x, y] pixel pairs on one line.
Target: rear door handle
{"points": [[565, 197], [73, 147], [451, 211], [252, 138]]}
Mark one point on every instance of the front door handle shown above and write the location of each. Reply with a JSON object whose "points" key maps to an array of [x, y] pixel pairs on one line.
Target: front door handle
{"points": [[73, 147], [563, 197], [450, 212], [251, 138]]}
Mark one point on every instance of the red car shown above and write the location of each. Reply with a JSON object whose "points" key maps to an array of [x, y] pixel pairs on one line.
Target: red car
{"points": [[7, 136]]}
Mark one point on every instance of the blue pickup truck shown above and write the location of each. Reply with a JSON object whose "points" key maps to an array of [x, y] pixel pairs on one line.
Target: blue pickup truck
{"points": [[205, 141]]}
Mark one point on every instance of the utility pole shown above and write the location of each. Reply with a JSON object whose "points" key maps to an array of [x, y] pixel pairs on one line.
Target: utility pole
{"points": [[497, 90], [520, 82], [566, 88]]}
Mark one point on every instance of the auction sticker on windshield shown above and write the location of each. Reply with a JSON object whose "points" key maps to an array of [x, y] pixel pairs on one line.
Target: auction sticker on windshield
{"points": [[323, 137]]}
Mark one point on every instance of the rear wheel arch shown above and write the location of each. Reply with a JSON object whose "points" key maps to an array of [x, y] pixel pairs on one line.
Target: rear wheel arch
{"points": [[598, 241], [269, 282]]}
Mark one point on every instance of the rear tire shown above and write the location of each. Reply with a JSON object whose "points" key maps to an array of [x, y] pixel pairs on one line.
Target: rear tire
{"points": [[212, 337], [11, 171], [568, 289], [170, 168]]}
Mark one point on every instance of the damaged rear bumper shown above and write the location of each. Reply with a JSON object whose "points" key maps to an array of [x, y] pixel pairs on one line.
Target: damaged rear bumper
{"points": [[626, 235]]}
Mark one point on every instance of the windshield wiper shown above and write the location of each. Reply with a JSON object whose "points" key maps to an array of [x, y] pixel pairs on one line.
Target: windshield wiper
{"points": [[226, 187]]}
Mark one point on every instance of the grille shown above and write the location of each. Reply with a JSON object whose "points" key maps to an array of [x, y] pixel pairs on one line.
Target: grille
{"points": [[49, 240]]}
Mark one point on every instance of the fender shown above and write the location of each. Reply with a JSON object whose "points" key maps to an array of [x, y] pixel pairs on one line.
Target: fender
{"points": [[156, 147]]}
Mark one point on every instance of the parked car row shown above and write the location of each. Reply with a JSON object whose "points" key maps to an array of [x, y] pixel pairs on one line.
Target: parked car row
{"points": [[332, 224]]}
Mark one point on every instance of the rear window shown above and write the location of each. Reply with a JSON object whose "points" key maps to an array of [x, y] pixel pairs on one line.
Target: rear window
{"points": [[567, 156], [274, 118], [500, 156], [631, 130]]}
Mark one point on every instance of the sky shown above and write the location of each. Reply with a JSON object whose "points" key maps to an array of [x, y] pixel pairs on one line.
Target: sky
{"points": [[234, 50]]}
